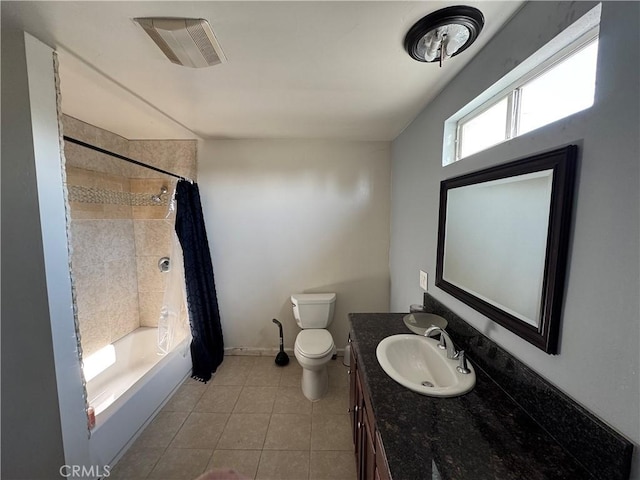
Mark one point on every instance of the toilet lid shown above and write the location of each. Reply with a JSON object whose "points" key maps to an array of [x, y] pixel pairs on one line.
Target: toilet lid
{"points": [[314, 343]]}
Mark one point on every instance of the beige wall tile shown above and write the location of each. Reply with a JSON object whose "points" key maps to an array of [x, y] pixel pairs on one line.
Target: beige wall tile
{"points": [[122, 212], [79, 130], [82, 177], [150, 186], [150, 305], [150, 278], [117, 239], [123, 316], [121, 280], [126, 291], [94, 332], [149, 213], [153, 237], [87, 211], [85, 241]]}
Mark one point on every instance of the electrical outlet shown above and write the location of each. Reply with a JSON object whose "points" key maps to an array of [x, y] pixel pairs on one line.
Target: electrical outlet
{"points": [[423, 280]]}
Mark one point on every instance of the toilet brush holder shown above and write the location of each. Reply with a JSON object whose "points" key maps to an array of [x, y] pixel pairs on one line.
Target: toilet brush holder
{"points": [[282, 358]]}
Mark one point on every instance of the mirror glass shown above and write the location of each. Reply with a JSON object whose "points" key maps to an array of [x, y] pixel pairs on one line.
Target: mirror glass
{"points": [[503, 239]]}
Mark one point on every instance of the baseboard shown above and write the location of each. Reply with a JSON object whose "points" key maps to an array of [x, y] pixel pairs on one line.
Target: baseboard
{"points": [[264, 352]]}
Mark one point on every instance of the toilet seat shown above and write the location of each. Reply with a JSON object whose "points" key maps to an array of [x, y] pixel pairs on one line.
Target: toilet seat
{"points": [[314, 343]]}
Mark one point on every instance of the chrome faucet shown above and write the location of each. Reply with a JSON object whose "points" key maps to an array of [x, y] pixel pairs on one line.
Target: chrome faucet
{"points": [[445, 341]]}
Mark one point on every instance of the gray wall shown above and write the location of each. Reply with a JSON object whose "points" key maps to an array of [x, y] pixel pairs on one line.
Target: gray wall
{"points": [[294, 216], [599, 356], [32, 446]]}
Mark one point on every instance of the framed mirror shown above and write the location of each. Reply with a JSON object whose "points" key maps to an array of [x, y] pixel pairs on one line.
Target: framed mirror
{"points": [[503, 237]]}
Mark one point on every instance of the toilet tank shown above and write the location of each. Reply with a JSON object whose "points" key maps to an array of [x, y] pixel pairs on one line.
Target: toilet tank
{"points": [[313, 310]]}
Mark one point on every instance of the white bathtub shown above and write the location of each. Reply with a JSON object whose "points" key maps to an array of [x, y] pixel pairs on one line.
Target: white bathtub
{"points": [[126, 395]]}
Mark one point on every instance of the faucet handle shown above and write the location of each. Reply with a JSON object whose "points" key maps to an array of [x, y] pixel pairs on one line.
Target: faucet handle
{"points": [[462, 363]]}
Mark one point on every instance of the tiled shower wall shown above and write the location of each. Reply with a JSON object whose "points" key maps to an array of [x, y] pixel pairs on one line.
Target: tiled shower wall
{"points": [[118, 234]]}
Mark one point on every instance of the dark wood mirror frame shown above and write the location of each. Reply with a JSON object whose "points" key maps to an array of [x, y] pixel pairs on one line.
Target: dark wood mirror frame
{"points": [[562, 163]]}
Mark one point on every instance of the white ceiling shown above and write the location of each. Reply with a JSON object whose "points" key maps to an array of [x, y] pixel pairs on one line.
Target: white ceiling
{"points": [[309, 69]]}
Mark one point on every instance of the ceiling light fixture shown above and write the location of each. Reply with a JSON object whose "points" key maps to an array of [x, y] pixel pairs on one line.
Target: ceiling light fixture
{"points": [[185, 41], [444, 33]]}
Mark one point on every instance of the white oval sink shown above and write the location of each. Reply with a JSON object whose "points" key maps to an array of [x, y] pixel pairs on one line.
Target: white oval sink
{"points": [[417, 363]]}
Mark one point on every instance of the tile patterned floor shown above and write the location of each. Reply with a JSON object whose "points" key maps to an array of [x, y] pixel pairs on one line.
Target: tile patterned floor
{"points": [[251, 417]]}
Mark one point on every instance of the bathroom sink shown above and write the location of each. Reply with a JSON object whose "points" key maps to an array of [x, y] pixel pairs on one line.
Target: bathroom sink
{"points": [[417, 363]]}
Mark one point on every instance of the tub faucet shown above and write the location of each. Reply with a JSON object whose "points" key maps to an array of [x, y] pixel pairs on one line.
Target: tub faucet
{"points": [[445, 341]]}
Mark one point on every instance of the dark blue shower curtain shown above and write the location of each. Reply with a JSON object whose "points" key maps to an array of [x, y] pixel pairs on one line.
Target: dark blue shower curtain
{"points": [[207, 347]]}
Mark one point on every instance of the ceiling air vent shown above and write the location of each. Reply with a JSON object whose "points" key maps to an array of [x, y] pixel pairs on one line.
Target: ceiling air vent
{"points": [[185, 41]]}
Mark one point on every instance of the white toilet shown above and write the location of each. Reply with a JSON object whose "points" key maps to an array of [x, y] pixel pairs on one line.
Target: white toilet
{"points": [[314, 345]]}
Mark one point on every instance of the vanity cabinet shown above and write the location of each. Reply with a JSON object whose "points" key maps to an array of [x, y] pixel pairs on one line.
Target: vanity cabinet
{"points": [[371, 463]]}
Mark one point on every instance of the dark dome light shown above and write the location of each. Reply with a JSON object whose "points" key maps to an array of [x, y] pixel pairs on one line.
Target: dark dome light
{"points": [[444, 33]]}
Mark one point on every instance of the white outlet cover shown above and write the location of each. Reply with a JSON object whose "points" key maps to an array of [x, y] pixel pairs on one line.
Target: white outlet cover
{"points": [[423, 280]]}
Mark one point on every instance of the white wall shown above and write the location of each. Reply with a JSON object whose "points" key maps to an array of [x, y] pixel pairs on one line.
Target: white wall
{"points": [[43, 418], [295, 216], [599, 361]]}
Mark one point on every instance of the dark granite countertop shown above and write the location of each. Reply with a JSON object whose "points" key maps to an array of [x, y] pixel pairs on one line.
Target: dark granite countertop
{"points": [[481, 435]]}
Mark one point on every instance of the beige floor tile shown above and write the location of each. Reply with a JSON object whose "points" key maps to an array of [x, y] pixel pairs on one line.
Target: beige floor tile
{"points": [[219, 399], [283, 465], [136, 463], [265, 373], [338, 374], [181, 464], [256, 400], [239, 360], [330, 432], [161, 430], [336, 402], [264, 360], [291, 400], [264, 432], [332, 466], [244, 431], [231, 374], [200, 430], [288, 432], [291, 374], [193, 381], [244, 462], [185, 398]]}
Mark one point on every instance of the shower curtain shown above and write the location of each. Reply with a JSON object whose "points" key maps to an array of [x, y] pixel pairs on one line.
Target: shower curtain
{"points": [[207, 346], [173, 324]]}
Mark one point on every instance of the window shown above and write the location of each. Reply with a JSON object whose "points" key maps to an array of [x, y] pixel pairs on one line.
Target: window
{"points": [[557, 81]]}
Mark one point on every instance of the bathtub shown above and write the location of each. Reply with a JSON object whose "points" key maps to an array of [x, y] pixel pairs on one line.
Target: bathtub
{"points": [[127, 394]]}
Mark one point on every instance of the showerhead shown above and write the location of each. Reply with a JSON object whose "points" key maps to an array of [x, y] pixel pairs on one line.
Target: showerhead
{"points": [[158, 197]]}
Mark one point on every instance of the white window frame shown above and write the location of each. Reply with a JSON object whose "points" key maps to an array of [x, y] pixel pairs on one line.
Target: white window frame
{"points": [[573, 39]]}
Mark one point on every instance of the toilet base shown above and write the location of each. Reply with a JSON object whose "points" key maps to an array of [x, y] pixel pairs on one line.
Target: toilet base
{"points": [[315, 383]]}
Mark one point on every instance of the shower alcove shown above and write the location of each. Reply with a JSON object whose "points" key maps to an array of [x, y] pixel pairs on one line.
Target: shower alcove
{"points": [[119, 228]]}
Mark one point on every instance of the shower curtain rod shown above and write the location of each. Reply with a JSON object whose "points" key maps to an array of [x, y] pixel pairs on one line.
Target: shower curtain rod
{"points": [[122, 157]]}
